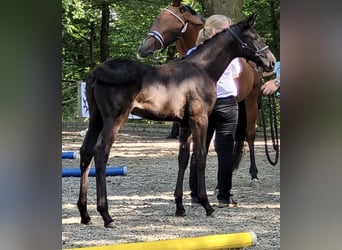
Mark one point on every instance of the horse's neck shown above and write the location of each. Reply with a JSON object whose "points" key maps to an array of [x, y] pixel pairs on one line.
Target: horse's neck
{"points": [[188, 39], [247, 80], [182, 47], [257, 73]]}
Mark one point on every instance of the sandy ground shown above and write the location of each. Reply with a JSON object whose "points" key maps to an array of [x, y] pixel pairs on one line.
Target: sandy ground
{"points": [[142, 204]]}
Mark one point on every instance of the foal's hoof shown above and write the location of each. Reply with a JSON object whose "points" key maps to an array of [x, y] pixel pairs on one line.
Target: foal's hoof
{"points": [[109, 225], [210, 212], [86, 221], [212, 215], [180, 213]]}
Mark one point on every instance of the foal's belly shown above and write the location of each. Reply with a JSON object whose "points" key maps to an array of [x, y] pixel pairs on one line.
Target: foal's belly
{"points": [[159, 105]]}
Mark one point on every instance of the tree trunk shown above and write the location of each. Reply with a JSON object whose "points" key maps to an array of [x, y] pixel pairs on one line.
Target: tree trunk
{"points": [[104, 46], [275, 27], [230, 8], [91, 44]]}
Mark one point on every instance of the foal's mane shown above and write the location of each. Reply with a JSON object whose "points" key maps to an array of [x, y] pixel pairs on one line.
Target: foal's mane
{"points": [[200, 47], [214, 37]]}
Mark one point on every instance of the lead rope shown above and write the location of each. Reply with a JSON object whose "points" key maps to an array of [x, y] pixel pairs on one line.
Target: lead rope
{"points": [[157, 58], [273, 126]]}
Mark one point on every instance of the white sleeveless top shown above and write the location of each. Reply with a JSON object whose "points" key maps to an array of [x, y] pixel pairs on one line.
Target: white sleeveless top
{"points": [[226, 85]]}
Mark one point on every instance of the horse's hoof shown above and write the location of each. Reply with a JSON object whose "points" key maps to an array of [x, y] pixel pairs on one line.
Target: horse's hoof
{"points": [[109, 225], [255, 183]]}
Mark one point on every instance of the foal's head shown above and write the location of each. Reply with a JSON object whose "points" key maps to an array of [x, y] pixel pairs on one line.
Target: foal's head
{"points": [[251, 45], [171, 23]]}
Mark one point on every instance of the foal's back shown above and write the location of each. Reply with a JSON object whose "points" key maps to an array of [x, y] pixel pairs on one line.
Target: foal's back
{"points": [[173, 91]]}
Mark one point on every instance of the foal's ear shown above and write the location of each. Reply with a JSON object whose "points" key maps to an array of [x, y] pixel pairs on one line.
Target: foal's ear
{"points": [[251, 20]]}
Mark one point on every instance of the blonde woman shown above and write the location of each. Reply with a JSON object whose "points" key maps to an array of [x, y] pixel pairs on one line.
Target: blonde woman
{"points": [[224, 118]]}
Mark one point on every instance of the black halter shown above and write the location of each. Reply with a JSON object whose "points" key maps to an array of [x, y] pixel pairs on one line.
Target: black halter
{"points": [[244, 45]]}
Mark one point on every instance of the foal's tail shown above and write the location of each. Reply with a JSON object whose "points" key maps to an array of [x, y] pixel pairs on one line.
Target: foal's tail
{"points": [[240, 135], [95, 118]]}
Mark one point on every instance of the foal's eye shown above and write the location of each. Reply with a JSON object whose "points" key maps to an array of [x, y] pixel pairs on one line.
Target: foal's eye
{"points": [[254, 37]]}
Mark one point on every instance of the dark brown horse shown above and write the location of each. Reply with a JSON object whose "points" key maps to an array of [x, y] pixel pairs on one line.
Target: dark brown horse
{"points": [[167, 26], [182, 91]]}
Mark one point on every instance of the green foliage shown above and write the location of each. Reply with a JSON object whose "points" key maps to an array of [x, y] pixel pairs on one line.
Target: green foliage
{"points": [[194, 4], [268, 21], [69, 101], [133, 20], [128, 28]]}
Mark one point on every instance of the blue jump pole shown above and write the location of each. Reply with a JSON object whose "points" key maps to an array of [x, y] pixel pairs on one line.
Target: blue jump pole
{"points": [[110, 171], [68, 155]]}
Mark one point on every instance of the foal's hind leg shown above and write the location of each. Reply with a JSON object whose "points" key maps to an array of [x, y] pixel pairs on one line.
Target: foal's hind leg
{"points": [[86, 155], [183, 159], [199, 136], [200, 156], [106, 139]]}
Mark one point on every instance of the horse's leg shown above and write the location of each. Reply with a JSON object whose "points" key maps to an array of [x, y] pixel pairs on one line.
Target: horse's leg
{"points": [[253, 170], [251, 116], [240, 135], [183, 159], [199, 136], [106, 139], [86, 155]]}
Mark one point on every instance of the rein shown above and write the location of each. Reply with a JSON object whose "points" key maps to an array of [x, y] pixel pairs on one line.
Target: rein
{"points": [[274, 128]]}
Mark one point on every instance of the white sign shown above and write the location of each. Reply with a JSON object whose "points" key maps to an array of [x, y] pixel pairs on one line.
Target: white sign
{"points": [[84, 103]]}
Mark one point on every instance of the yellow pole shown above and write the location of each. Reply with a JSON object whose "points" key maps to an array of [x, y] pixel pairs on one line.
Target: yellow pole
{"points": [[218, 241]]}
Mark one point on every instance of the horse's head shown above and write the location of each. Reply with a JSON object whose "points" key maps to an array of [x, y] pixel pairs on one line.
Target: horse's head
{"points": [[170, 24], [251, 45]]}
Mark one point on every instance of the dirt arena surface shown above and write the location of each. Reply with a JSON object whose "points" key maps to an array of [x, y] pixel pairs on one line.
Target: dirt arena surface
{"points": [[142, 203]]}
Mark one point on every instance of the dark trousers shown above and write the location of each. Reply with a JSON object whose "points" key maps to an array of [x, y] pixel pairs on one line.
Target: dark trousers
{"points": [[223, 120]]}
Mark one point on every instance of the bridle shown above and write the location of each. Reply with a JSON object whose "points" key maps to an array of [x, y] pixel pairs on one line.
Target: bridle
{"points": [[257, 52], [155, 34], [185, 24]]}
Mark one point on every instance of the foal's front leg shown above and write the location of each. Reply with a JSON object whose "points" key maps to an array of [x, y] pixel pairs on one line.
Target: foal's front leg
{"points": [[183, 159]]}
